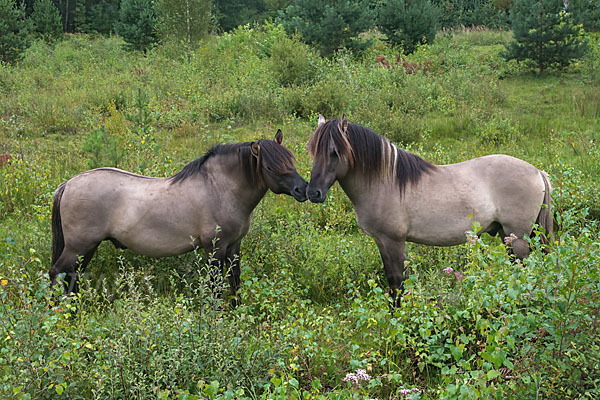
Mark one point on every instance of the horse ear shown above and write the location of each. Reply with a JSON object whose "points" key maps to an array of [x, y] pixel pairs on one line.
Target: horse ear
{"points": [[321, 120], [344, 124], [255, 148], [279, 136]]}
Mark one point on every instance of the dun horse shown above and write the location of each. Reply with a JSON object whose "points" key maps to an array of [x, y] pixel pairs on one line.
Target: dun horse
{"points": [[161, 217], [399, 197]]}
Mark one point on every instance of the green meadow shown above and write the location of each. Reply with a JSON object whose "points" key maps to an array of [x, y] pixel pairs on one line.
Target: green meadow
{"points": [[315, 305]]}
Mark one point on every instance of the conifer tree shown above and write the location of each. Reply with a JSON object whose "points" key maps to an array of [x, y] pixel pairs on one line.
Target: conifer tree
{"points": [[46, 20], [329, 24], [408, 22], [544, 34], [14, 30], [137, 24], [586, 13]]}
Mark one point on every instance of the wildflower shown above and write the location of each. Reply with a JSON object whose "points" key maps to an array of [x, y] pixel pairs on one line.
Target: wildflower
{"points": [[471, 237], [362, 375], [4, 282], [459, 276], [350, 377], [448, 270], [509, 239], [404, 392]]}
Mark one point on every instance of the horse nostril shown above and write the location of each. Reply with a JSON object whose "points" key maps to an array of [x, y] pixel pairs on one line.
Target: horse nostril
{"points": [[314, 194]]}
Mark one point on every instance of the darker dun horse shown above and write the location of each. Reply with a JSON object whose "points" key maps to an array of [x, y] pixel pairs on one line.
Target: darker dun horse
{"points": [[161, 217], [400, 197]]}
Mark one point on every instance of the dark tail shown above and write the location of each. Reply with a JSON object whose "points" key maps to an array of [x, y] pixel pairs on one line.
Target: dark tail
{"points": [[544, 218], [58, 240]]}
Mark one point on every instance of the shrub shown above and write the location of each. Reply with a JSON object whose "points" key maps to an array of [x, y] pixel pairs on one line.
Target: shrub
{"points": [[292, 62]]}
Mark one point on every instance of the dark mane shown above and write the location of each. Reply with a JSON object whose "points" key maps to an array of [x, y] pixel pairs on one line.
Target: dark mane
{"points": [[272, 156], [374, 155]]}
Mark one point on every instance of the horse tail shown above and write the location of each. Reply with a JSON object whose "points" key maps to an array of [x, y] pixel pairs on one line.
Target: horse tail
{"points": [[544, 218], [58, 239]]}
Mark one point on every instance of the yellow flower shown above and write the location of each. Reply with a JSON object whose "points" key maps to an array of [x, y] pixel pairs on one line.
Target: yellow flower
{"points": [[4, 282]]}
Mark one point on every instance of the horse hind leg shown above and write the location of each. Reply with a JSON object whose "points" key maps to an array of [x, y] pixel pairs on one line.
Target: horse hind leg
{"points": [[72, 265], [513, 238]]}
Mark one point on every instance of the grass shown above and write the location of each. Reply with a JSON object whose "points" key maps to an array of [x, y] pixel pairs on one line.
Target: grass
{"points": [[315, 304]]}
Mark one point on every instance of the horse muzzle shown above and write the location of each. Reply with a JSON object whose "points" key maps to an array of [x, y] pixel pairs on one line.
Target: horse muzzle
{"points": [[315, 195], [299, 193]]}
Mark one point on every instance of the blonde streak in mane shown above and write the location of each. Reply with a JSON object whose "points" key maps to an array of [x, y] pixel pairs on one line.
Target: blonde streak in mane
{"points": [[395, 162], [389, 159]]}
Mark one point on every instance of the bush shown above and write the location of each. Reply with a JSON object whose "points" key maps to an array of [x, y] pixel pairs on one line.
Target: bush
{"points": [[293, 63]]}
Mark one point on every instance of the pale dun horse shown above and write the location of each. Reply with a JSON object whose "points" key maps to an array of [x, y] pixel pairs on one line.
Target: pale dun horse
{"points": [[162, 217], [399, 197]]}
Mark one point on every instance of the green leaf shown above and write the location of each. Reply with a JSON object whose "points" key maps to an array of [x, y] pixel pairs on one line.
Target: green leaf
{"points": [[493, 374]]}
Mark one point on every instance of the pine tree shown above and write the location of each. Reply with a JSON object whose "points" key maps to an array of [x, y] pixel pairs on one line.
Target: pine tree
{"points": [[137, 24], [586, 13], [46, 20], [329, 24], [14, 30], [544, 34], [184, 20], [408, 22]]}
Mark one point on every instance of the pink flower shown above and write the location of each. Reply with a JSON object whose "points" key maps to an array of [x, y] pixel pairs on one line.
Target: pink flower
{"points": [[471, 237], [459, 276], [404, 392], [350, 377], [448, 270], [362, 375], [509, 239]]}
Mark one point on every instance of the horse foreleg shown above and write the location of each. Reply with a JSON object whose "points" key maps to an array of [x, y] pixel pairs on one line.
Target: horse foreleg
{"points": [[393, 254], [233, 257], [217, 263]]}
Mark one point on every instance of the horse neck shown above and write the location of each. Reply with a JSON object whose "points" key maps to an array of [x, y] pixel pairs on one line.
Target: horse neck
{"points": [[361, 190], [354, 184], [228, 177]]}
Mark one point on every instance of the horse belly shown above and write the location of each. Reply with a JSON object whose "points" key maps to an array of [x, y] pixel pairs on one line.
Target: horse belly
{"points": [[156, 236], [444, 221]]}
